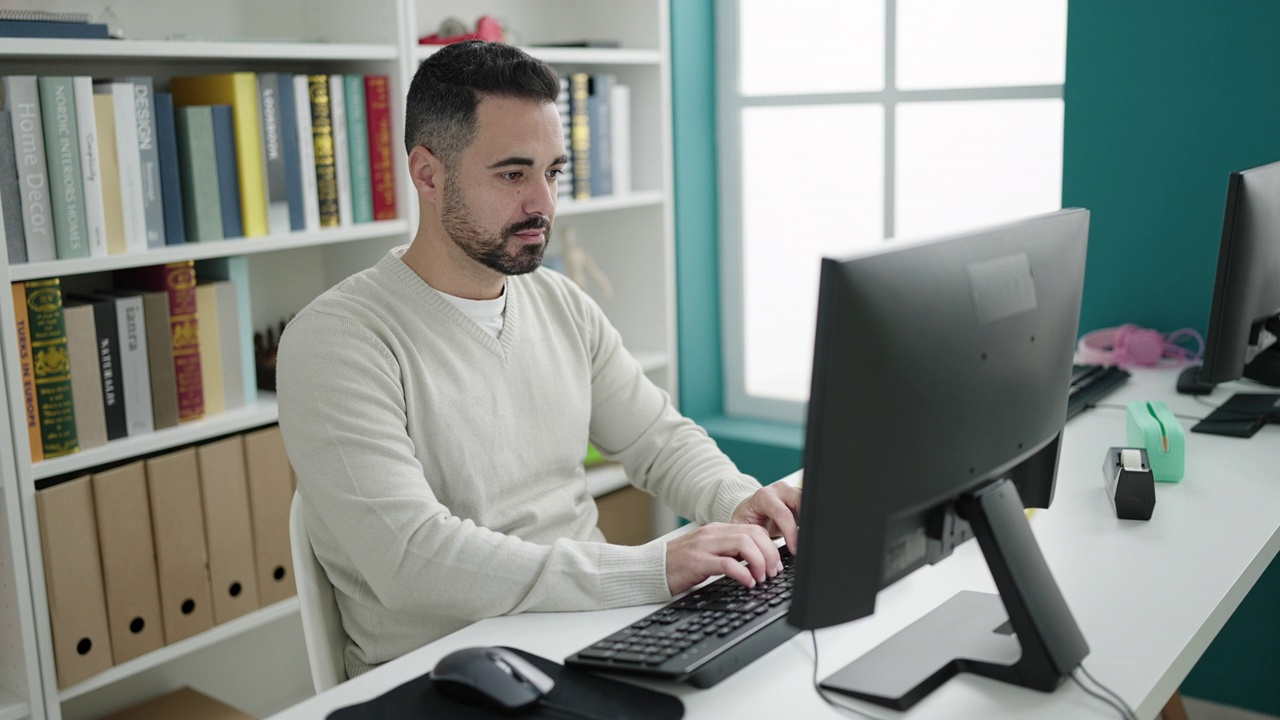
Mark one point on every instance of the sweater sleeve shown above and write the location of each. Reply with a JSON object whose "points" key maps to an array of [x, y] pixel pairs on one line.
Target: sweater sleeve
{"points": [[343, 417], [665, 453]]}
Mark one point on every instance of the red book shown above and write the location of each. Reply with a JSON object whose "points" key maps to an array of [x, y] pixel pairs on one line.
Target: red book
{"points": [[382, 171], [178, 279]]}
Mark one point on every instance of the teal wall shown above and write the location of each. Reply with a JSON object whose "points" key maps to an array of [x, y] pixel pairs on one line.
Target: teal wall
{"points": [[1164, 98]]}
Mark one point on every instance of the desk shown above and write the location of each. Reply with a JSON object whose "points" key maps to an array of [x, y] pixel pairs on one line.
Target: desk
{"points": [[1149, 596]]}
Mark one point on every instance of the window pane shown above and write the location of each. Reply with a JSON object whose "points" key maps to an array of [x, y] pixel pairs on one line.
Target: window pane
{"points": [[967, 164], [811, 46], [812, 185], [981, 43]]}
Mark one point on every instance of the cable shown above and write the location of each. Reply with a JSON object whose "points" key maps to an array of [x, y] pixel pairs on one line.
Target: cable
{"points": [[822, 693], [1125, 713], [1108, 691], [1113, 406]]}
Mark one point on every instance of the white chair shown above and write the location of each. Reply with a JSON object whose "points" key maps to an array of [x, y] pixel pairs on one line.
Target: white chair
{"points": [[321, 622]]}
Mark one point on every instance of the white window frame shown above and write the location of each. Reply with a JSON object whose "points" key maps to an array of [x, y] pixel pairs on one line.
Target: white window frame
{"points": [[729, 108]]}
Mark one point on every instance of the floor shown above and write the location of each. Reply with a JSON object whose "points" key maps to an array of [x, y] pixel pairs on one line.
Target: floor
{"points": [[1204, 710]]}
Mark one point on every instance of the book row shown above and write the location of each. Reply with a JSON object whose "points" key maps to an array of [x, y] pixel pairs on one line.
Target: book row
{"points": [[156, 349], [595, 111], [148, 553], [93, 167]]}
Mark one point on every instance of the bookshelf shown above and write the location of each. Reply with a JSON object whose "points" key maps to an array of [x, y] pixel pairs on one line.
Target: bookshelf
{"points": [[258, 662]]}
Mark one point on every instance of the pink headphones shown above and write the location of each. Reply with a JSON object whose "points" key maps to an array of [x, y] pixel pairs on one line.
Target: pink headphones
{"points": [[1133, 345]]}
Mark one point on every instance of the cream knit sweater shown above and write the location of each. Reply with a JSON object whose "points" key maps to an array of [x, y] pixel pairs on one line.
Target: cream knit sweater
{"points": [[441, 467]]}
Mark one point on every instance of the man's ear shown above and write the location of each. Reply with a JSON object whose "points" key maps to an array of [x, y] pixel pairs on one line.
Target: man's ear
{"points": [[427, 173]]}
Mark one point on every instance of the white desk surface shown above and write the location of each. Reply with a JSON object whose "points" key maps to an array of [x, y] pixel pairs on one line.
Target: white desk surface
{"points": [[1149, 596]]}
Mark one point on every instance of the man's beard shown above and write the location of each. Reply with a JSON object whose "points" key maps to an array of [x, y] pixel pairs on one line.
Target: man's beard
{"points": [[491, 250]]}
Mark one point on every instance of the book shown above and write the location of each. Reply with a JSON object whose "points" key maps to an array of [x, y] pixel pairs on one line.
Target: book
{"points": [[382, 171], [51, 367], [90, 165], [358, 148], [22, 100], [211, 372], [134, 384], [236, 270], [10, 196], [30, 411], [580, 138], [108, 349], [178, 281], [621, 128], [41, 29], [600, 122], [306, 152], [160, 369], [229, 191], [322, 138], [175, 231], [149, 159], [86, 374], [289, 150], [62, 157], [240, 91], [198, 173], [341, 157], [229, 338], [564, 186], [133, 207], [108, 160], [273, 152]]}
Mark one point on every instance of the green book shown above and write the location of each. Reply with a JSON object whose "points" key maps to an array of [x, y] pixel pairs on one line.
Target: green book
{"points": [[52, 367], [198, 173], [62, 156], [358, 149]]}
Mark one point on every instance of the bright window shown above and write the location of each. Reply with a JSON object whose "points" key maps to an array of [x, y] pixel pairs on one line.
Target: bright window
{"points": [[846, 123]]}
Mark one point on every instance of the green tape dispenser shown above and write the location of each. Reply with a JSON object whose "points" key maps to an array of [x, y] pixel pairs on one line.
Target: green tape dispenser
{"points": [[1151, 425]]}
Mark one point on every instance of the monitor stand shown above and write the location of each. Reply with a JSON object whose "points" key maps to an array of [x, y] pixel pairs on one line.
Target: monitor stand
{"points": [[1025, 636]]}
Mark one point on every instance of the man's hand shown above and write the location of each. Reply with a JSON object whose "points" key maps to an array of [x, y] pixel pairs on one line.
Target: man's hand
{"points": [[719, 548], [775, 508]]}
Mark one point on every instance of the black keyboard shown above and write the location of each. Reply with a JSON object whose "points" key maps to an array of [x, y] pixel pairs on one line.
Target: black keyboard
{"points": [[1089, 383], [702, 637]]}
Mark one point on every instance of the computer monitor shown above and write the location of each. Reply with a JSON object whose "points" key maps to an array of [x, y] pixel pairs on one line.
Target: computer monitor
{"points": [[1244, 319], [939, 393]]}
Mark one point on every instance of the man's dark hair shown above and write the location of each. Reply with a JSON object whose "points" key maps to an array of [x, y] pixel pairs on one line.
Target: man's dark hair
{"points": [[440, 112]]}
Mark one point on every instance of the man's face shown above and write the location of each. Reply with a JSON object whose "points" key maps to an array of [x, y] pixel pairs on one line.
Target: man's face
{"points": [[499, 201]]}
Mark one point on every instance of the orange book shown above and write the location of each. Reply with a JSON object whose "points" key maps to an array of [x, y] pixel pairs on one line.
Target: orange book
{"points": [[240, 91], [28, 371], [178, 279]]}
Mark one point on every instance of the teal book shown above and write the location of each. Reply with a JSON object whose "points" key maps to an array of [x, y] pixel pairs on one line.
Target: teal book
{"points": [[62, 157], [358, 149], [198, 173]]}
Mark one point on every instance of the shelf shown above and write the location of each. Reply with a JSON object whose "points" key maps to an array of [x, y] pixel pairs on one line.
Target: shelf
{"points": [[261, 413], [604, 479], [156, 658], [168, 50], [205, 250], [576, 56], [644, 198], [13, 707]]}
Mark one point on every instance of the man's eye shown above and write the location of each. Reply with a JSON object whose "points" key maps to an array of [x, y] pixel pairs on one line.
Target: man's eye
{"points": [[513, 175], [555, 173]]}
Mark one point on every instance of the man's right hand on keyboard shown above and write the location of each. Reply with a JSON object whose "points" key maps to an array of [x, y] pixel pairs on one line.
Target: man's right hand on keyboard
{"points": [[718, 549]]}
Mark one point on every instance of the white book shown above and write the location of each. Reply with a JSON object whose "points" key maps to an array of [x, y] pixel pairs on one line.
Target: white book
{"points": [[90, 165], [229, 335], [128, 157], [341, 158], [306, 152], [135, 368], [620, 119]]}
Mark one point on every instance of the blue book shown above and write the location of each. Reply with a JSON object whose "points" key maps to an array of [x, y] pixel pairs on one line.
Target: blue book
{"points": [[289, 146], [170, 184], [600, 119], [224, 146], [42, 29]]}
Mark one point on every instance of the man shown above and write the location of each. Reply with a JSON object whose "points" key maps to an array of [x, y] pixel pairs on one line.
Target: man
{"points": [[437, 406]]}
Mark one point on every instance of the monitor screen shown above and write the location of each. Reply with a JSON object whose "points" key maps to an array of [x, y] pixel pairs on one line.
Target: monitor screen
{"points": [[939, 392]]}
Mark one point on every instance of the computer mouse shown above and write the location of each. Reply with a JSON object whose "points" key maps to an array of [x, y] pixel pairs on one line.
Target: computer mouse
{"points": [[491, 677]]}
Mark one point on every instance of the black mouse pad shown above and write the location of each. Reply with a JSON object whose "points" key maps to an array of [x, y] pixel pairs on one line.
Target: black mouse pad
{"points": [[586, 694]]}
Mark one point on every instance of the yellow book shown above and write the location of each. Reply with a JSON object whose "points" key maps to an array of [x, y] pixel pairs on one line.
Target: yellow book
{"points": [[210, 349], [240, 91], [109, 172]]}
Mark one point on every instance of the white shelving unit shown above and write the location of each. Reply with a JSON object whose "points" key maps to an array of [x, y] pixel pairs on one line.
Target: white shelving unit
{"points": [[258, 662]]}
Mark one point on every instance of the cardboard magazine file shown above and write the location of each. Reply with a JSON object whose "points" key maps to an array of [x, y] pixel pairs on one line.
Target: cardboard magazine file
{"points": [[270, 494], [182, 557], [183, 703], [224, 491], [73, 580], [128, 561]]}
